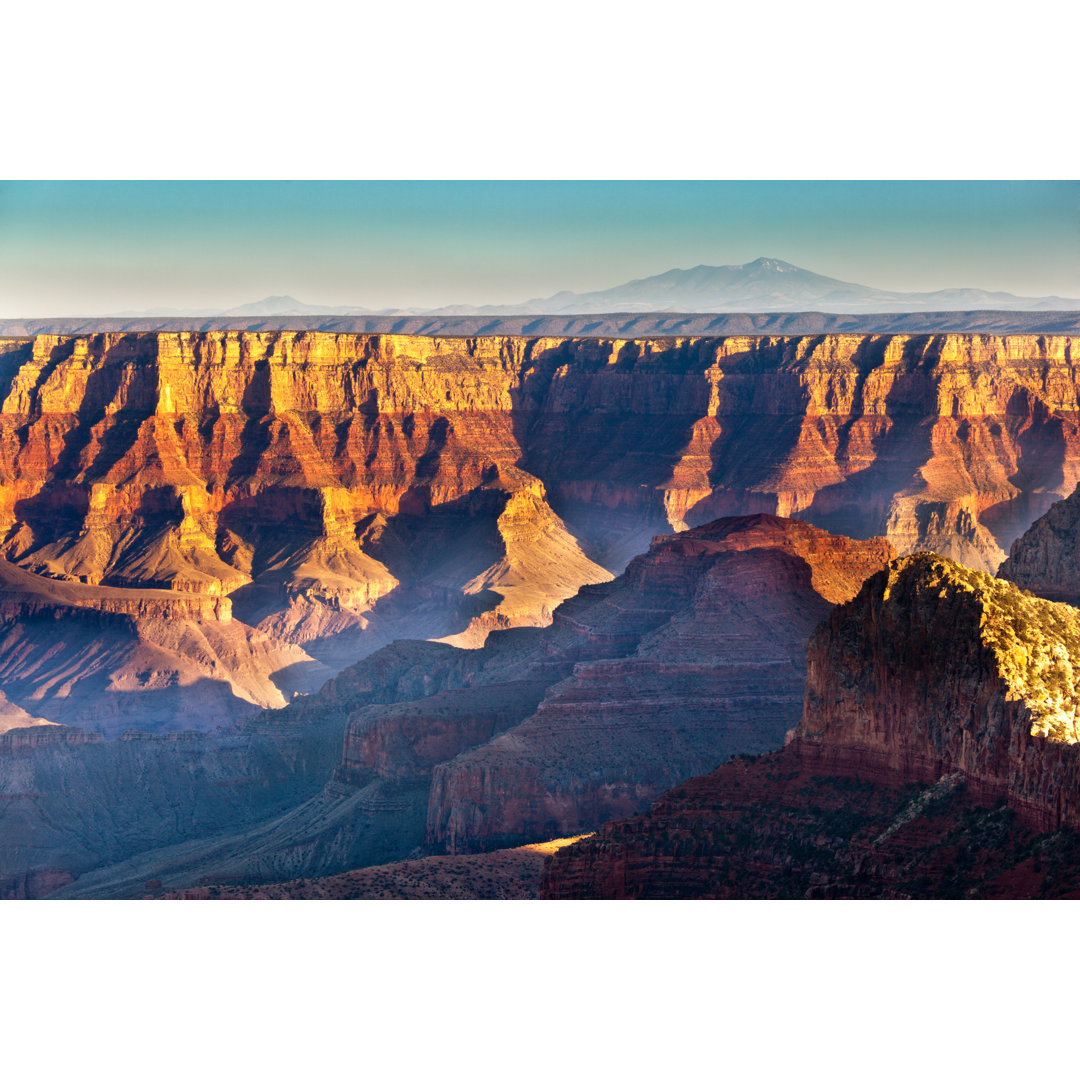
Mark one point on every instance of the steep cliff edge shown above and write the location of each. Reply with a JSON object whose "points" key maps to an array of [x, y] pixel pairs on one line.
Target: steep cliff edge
{"points": [[937, 755], [1046, 559], [936, 669]]}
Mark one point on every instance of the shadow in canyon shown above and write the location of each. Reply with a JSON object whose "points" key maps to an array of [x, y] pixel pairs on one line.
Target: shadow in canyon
{"points": [[605, 441]]}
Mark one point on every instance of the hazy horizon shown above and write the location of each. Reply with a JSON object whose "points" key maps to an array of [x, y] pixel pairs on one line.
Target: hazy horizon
{"points": [[79, 248]]}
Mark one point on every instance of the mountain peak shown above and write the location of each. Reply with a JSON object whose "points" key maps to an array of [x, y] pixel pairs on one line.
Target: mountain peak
{"points": [[769, 264]]}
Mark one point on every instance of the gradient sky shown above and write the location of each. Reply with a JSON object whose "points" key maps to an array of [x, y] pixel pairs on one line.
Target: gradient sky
{"points": [[90, 248]]}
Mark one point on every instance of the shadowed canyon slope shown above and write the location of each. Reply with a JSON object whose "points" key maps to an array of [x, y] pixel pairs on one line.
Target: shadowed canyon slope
{"points": [[696, 652], [938, 755], [1046, 559], [343, 490], [721, 671]]}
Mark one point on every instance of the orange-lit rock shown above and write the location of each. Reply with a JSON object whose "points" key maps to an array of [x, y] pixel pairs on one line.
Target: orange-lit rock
{"points": [[344, 490]]}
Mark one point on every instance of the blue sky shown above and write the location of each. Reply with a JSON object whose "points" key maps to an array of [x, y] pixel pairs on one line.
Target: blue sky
{"points": [[87, 248]]}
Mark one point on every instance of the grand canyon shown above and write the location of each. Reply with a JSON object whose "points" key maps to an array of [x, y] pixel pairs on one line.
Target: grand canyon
{"points": [[527, 546], [310, 613]]}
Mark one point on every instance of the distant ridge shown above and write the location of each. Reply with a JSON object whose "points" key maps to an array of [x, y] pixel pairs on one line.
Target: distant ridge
{"points": [[763, 286], [767, 285], [604, 325]]}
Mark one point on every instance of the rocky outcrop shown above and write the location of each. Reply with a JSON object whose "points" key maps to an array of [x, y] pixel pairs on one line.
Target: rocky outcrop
{"points": [[939, 669], [511, 874], [937, 692], [1046, 559]]}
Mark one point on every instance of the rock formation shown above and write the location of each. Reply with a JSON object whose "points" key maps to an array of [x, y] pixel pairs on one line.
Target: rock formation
{"points": [[703, 641], [343, 490], [1046, 559], [694, 653], [113, 659], [510, 874], [938, 692], [11, 717]]}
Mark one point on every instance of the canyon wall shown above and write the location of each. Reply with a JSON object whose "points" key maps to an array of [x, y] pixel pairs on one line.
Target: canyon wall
{"points": [[712, 626], [937, 669], [938, 754], [1046, 559], [694, 653], [341, 490]]}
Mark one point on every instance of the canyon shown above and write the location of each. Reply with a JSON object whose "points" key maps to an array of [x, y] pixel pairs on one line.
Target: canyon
{"points": [[694, 653], [323, 494], [282, 606], [937, 756]]}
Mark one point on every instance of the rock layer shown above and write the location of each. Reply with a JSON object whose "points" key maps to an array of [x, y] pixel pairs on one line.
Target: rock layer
{"points": [[694, 653], [342, 490], [938, 692]]}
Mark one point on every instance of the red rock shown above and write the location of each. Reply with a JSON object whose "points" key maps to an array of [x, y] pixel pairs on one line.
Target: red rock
{"points": [[344, 490], [940, 716], [715, 667]]}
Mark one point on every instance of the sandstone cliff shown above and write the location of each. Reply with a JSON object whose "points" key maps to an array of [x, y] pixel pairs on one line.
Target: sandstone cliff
{"points": [[941, 714], [343, 490]]}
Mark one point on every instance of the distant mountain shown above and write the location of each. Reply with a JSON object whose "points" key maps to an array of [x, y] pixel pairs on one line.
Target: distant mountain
{"points": [[287, 305], [764, 285], [773, 285]]}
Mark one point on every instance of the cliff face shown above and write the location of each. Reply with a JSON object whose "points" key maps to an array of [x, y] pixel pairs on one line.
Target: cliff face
{"points": [[220, 437], [343, 490], [938, 669], [694, 653], [938, 692], [704, 639], [1046, 559]]}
